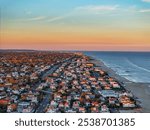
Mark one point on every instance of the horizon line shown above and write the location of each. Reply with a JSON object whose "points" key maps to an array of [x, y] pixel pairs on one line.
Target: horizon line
{"points": [[74, 50]]}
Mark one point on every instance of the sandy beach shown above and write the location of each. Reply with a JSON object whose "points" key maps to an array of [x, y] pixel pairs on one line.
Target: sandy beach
{"points": [[141, 91]]}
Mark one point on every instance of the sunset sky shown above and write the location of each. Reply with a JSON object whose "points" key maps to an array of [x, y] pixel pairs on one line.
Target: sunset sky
{"points": [[122, 25]]}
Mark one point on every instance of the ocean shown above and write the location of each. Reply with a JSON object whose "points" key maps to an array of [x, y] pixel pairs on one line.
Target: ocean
{"points": [[134, 66]]}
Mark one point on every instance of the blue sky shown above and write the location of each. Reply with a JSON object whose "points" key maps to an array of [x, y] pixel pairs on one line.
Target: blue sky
{"points": [[81, 12], [19, 8]]}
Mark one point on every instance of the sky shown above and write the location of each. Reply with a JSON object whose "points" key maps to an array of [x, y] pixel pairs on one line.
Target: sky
{"points": [[101, 25]]}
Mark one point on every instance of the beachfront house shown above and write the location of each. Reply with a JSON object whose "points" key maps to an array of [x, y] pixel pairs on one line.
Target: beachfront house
{"points": [[108, 93]]}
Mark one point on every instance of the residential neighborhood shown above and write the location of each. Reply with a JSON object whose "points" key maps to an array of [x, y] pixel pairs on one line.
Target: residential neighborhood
{"points": [[52, 82]]}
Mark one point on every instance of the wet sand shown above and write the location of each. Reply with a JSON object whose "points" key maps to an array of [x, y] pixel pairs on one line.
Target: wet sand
{"points": [[140, 90]]}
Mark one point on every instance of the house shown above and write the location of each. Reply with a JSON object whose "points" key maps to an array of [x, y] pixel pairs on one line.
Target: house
{"points": [[76, 97], [82, 110], [17, 92], [14, 97], [109, 93], [2, 88], [128, 94], [76, 104], [87, 104], [66, 105], [51, 110], [29, 109], [4, 102], [94, 110], [61, 105], [70, 111], [126, 102], [54, 104], [57, 97], [1, 81], [89, 64], [112, 100], [104, 109], [114, 84], [11, 108]]}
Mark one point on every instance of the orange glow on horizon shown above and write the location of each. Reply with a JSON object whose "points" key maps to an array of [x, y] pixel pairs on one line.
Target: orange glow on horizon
{"points": [[73, 40]]}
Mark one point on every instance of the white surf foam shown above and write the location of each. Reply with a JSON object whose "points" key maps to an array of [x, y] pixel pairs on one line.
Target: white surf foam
{"points": [[139, 67]]}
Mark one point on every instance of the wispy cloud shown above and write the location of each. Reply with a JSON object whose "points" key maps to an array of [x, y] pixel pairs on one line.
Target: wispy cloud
{"points": [[38, 18], [42, 18], [97, 8], [145, 11], [57, 18], [146, 0]]}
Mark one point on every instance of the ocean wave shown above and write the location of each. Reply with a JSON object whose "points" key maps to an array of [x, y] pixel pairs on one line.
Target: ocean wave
{"points": [[135, 65], [137, 79], [125, 67]]}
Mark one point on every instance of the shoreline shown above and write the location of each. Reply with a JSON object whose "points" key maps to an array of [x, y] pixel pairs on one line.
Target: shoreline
{"points": [[141, 91]]}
